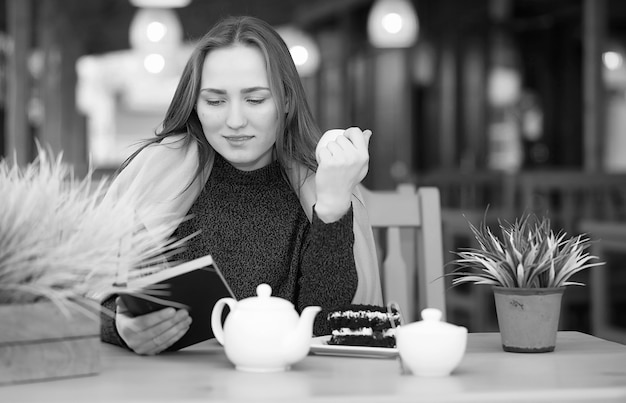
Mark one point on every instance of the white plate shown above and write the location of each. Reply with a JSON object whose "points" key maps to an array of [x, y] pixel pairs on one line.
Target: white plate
{"points": [[320, 346]]}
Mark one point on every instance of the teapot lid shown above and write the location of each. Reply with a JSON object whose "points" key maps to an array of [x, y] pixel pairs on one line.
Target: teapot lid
{"points": [[431, 322], [264, 301]]}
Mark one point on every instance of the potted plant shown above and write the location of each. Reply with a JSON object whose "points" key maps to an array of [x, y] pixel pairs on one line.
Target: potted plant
{"points": [[529, 267], [60, 245]]}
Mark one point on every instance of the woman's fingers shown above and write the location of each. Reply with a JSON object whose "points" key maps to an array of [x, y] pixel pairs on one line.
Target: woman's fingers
{"points": [[162, 342], [342, 164], [153, 332], [353, 141], [360, 139], [368, 135], [323, 155], [164, 334]]}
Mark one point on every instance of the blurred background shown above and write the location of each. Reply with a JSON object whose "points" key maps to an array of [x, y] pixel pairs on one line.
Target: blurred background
{"points": [[507, 106]]}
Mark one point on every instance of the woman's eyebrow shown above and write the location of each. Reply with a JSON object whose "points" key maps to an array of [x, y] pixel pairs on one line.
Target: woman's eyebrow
{"points": [[243, 91], [213, 90], [254, 89]]}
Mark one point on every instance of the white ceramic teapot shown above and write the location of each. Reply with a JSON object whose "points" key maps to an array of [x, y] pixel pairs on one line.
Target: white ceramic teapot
{"points": [[431, 347], [263, 333]]}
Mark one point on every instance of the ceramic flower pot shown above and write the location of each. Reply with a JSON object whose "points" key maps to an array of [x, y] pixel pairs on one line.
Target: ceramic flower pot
{"points": [[528, 318]]}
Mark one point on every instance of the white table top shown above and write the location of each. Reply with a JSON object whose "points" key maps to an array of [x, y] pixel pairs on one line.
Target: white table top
{"points": [[581, 369]]}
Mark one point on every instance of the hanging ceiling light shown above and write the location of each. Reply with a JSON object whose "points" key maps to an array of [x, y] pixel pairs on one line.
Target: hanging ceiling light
{"points": [[504, 82], [612, 60], [614, 71], [304, 51], [160, 3], [504, 86], [154, 29], [155, 33], [392, 24]]}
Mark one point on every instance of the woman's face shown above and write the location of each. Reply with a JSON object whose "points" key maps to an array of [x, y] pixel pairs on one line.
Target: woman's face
{"points": [[236, 108]]}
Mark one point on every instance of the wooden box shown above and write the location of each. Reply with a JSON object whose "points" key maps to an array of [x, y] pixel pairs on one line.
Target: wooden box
{"points": [[40, 342]]}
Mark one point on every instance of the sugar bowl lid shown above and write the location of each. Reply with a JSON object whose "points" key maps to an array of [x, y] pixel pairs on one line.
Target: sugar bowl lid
{"points": [[264, 301], [431, 323]]}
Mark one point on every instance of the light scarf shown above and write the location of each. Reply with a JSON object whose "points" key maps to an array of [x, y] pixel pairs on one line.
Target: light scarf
{"points": [[157, 183]]}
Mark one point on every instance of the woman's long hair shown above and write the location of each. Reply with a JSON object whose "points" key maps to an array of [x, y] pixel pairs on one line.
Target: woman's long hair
{"points": [[297, 134]]}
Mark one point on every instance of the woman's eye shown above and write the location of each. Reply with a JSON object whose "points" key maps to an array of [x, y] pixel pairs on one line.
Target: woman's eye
{"points": [[256, 101], [214, 102]]}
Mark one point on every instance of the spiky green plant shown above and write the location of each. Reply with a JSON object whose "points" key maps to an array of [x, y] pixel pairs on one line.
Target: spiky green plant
{"points": [[528, 254], [60, 240]]}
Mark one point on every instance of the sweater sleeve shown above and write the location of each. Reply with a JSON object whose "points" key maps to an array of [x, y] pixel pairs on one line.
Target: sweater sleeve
{"points": [[108, 331], [328, 276]]}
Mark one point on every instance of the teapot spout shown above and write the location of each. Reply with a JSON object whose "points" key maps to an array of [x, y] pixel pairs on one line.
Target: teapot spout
{"points": [[298, 341]]}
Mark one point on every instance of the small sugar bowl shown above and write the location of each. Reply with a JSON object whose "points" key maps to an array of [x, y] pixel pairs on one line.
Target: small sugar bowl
{"points": [[431, 347]]}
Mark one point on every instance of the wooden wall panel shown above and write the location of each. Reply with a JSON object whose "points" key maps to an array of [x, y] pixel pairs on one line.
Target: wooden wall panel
{"points": [[18, 136]]}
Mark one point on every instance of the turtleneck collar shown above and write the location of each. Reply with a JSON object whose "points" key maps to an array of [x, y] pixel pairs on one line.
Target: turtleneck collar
{"points": [[223, 170]]}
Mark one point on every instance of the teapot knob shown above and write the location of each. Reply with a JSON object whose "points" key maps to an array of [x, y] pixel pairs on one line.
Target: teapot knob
{"points": [[264, 290], [431, 315]]}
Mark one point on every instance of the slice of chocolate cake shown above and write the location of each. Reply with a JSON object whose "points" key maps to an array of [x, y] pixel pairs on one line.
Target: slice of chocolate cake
{"points": [[363, 325]]}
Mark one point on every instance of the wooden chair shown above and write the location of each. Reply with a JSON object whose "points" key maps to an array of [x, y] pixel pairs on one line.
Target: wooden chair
{"points": [[607, 282], [407, 228], [468, 305], [466, 197], [569, 197]]}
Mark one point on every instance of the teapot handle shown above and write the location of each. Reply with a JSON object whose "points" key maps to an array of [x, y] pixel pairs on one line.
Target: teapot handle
{"points": [[216, 317]]}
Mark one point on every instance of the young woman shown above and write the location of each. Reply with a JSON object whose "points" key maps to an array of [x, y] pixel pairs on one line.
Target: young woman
{"points": [[239, 153]]}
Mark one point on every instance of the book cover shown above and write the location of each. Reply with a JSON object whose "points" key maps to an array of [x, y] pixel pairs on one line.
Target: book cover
{"points": [[196, 285]]}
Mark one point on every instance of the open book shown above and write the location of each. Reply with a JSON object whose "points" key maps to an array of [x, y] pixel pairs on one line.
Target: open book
{"points": [[196, 285]]}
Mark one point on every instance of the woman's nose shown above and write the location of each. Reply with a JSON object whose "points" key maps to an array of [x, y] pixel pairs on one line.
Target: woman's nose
{"points": [[236, 117]]}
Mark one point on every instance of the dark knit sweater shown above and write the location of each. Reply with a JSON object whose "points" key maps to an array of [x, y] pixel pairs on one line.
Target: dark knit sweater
{"points": [[253, 225]]}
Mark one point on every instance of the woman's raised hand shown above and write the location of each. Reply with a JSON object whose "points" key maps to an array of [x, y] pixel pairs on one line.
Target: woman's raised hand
{"points": [[343, 162], [151, 333]]}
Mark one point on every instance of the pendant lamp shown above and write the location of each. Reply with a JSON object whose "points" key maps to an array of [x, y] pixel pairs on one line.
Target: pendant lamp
{"points": [[504, 86], [160, 3], [392, 24], [155, 34], [303, 48], [155, 29]]}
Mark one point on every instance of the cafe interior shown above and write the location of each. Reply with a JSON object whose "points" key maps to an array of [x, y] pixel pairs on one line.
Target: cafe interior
{"points": [[506, 107]]}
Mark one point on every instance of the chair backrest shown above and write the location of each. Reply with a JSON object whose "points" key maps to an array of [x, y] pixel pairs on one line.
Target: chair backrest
{"points": [[607, 282], [407, 229]]}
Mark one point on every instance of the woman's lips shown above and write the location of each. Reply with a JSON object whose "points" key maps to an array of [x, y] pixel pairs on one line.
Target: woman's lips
{"points": [[238, 139]]}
